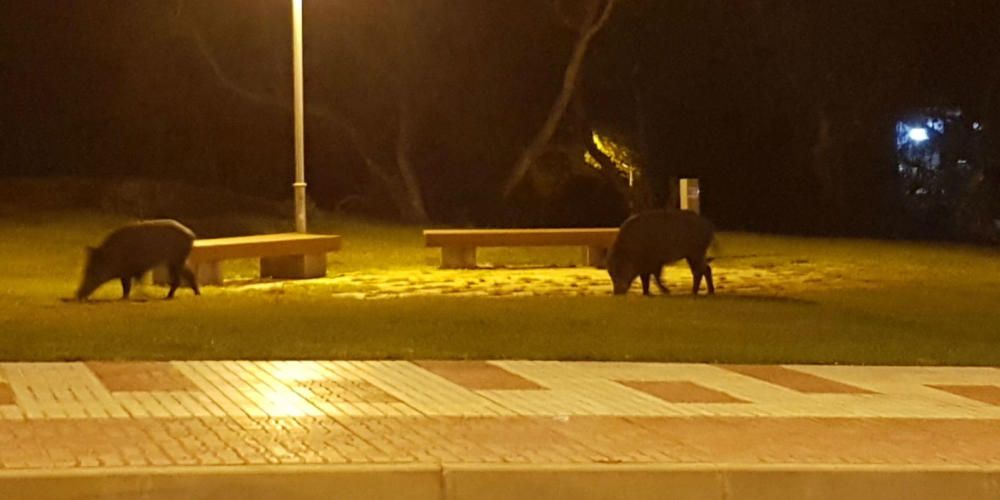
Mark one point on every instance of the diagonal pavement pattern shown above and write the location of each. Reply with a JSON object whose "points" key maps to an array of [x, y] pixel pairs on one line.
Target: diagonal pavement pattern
{"points": [[136, 416]]}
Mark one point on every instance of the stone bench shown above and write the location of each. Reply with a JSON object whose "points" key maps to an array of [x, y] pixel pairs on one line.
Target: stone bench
{"points": [[283, 256], [458, 246]]}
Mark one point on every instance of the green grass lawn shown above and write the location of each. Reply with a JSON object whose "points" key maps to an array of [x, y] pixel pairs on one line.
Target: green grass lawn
{"points": [[822, 301]]}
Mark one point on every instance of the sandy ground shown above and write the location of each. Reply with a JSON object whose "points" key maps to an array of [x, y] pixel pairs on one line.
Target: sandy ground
{"points": [[773, 279]]}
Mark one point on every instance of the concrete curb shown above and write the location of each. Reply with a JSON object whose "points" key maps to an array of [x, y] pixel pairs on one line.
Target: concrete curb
{"points": [[509, 482], [721, 482], [264, 482]]}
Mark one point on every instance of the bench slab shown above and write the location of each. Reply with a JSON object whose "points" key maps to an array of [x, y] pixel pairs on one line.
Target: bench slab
{"points": [[282, 255], [458, 246], [520, 237], [262, 245]]}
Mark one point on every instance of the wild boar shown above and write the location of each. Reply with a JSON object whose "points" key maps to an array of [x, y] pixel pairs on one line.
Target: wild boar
{"points": [[650, 240], [132, 250]]}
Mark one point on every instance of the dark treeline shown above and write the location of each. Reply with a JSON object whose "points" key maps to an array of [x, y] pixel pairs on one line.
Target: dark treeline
{"points": [[785, 109]]}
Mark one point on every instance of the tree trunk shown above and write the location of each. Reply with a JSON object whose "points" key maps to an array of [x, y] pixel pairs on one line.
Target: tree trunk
{"points": [[595, 19], [608, 171], [642, 137], [642, 190], [825, 171], [417, 211], [402, 184]]}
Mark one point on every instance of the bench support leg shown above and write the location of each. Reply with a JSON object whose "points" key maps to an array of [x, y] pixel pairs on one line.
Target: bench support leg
{"points": [[207, 273], [160, 275], [596, 256], [293, 266], [458, 257]]}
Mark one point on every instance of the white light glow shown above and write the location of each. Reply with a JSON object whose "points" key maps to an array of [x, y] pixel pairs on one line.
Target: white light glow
{"points": [[281, 402], [918, 134]]}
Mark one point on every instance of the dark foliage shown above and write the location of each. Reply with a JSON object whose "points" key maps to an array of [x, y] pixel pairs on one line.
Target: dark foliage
{"points": [[784, 109]]}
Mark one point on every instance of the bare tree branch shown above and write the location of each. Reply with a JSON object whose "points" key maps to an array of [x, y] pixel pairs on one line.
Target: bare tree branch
{"points": [[564, 18], [404, 142], [597, 18], [224, 79], [405, 182]]}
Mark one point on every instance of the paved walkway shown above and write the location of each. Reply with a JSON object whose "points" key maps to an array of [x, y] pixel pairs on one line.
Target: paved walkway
{"points": [[191, 413]]}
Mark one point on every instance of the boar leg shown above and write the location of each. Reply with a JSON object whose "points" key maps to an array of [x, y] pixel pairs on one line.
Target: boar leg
{"points": [[174, 270], [126, 286], [697, 271], [645, 283], [191, 280], [708, 279]]}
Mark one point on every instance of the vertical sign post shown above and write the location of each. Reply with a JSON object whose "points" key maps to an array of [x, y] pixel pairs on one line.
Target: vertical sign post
{"points": [[690, 195]]}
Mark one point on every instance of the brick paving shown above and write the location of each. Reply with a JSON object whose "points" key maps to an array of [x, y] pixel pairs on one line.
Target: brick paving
{"points": [[135, 415]]}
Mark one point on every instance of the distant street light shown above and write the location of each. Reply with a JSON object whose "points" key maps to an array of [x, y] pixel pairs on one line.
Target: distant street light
{"points": [[299, 104], [918, 135]]}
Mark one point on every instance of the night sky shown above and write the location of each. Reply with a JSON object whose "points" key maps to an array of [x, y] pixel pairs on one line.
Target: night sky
{"points": [[787, 110]]}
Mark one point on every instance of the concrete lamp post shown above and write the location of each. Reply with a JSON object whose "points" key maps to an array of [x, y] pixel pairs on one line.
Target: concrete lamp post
{"points": [[300, 128], [283, 256]]}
